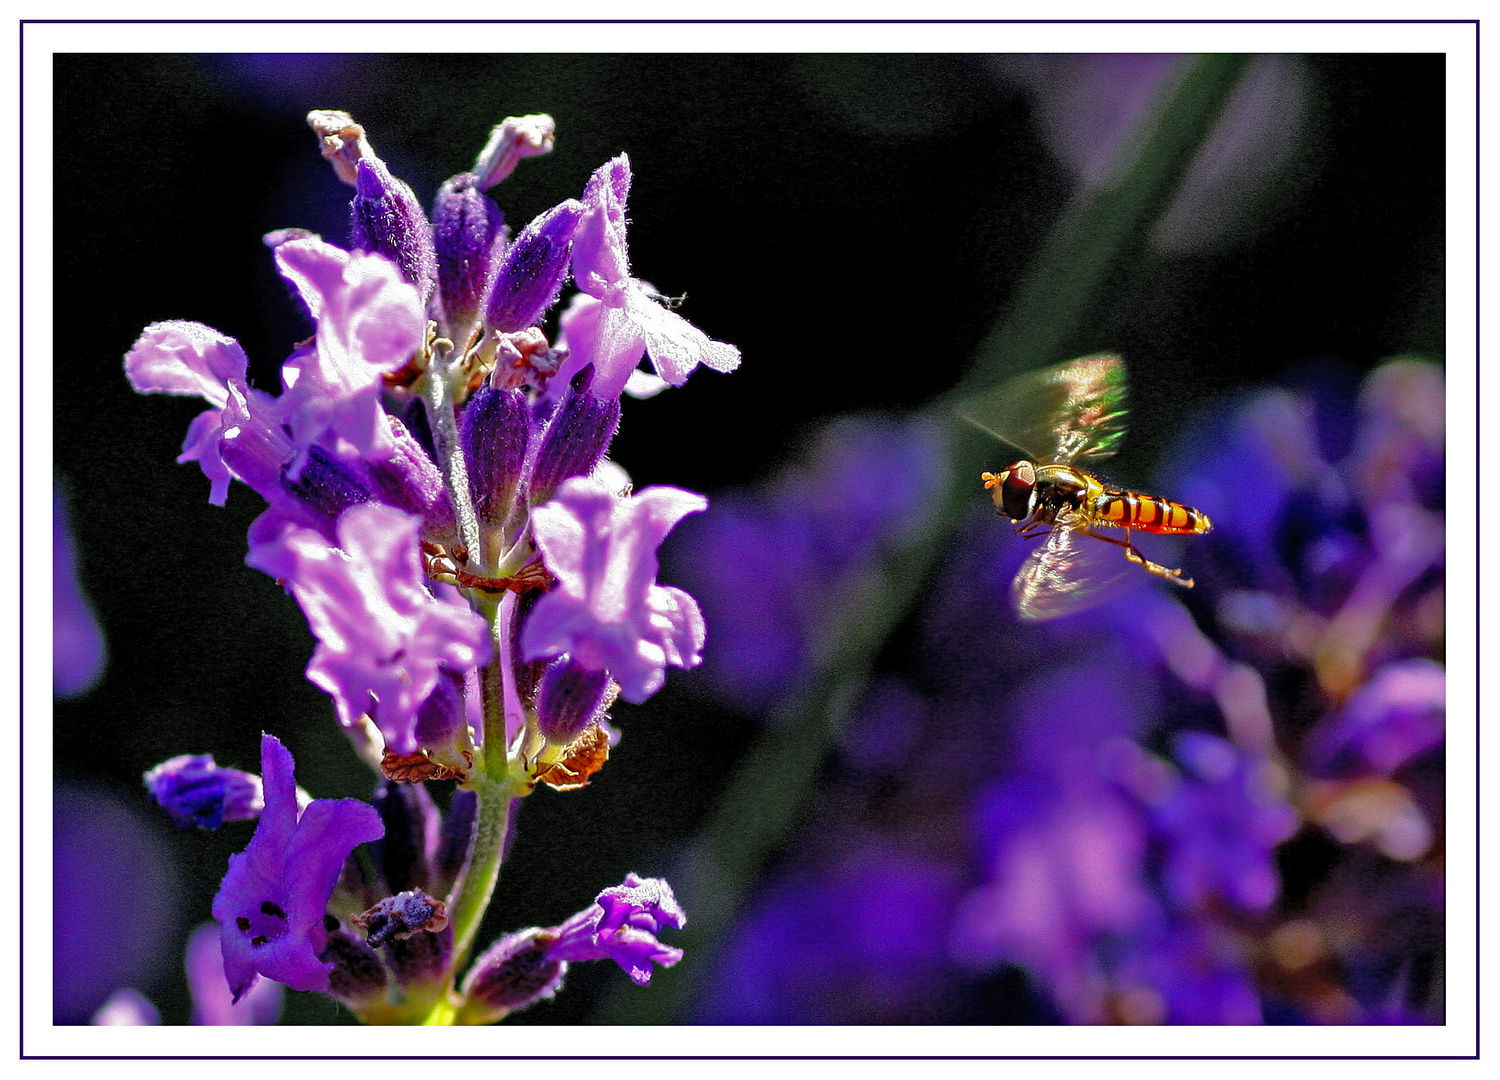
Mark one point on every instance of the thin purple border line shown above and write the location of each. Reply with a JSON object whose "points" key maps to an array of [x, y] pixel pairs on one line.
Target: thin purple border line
{"points": [[21, 457]]}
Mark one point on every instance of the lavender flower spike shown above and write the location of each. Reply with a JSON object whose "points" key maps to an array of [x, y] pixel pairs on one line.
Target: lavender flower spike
{"points": [[383, 639], [271, 904], [607, 610], [621, 319]]}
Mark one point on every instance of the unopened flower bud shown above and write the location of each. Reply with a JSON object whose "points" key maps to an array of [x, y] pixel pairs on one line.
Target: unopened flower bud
{"points": [[410, 480], [388, 219], [495, 428], [570, 696], [195, 791], [411, 825], [576, 439], [515, 972], [358, 977], [467, 228], [454, 840], [532, 273]]}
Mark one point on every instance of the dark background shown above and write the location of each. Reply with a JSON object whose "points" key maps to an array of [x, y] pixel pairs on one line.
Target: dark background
{"points": [[855, 224]]}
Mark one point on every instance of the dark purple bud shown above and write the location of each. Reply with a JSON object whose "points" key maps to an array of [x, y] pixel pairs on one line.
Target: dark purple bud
{"points": [[358, 977], [576, 439], [414, 419], [466, 224], [495, 428], [421, 957], [411, 827], [195, 791], [532, 273], [442, 728], [410, 480], [328, 486], [399, 917], [515, 972], [570, 696], [389, 220], [454, 841]]}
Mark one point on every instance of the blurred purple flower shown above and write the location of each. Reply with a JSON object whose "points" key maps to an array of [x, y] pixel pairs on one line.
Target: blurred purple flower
{"points": [[115, 901], [770, 568], [1399, 713], [271, 904], [77, 641], [607, 611], [859, 941], [1221, 823], [127, 1008], [1094, 109], [213, 1003], [383, 639]]}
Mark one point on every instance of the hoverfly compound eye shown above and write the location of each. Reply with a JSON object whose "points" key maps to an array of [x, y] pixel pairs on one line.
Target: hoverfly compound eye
{"points": [[1015, 489]]}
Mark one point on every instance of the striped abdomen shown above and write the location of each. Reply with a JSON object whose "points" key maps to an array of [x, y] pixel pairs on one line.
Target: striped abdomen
{"points": [[1149, 513]]}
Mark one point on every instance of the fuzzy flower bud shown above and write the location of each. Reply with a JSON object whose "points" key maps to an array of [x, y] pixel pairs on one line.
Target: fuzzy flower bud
{"points": [[388, 219], [533, 270], [576, 439], [570, 696], [495, 428], [466, 229]]}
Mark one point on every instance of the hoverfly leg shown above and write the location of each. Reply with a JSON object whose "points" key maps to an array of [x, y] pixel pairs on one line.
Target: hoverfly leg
{"points": [[1174, 576]]}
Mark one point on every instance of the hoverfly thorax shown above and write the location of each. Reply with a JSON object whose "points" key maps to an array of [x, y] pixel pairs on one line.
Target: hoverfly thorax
{"points": [[1014, 489]]}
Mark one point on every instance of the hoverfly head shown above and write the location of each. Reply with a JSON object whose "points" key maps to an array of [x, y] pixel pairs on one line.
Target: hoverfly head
{"points": [[1013, 489]]}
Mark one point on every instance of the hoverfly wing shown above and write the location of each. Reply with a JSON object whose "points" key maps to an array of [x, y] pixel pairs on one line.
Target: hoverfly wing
{"points": [[1072, 412], [1063, 576]]}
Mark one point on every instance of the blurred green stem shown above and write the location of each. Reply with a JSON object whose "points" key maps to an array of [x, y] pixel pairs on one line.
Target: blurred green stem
{"points": [[1050, 315]]}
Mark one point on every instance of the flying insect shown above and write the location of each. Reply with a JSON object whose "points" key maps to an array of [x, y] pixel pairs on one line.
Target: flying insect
{"points": [[1063, 418]]}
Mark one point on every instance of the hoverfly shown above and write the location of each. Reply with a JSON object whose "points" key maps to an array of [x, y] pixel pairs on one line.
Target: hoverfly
{"points": [[1062, 417]]}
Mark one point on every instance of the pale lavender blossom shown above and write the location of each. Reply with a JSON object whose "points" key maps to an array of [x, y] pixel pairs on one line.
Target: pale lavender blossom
{"points": [[181, 357], [369, 321], [272, 902], [618, 319], [607, 611], [383, 638]]}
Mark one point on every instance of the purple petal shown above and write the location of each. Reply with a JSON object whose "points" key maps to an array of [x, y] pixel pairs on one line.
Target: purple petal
{"points": [[271, 904], [213, 1004], [383, 639], [607, 610], [180, 357], [370, 321]]}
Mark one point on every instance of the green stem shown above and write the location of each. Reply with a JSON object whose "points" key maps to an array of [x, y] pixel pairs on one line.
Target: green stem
{"points": [[471, 896], [438, 399]]}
